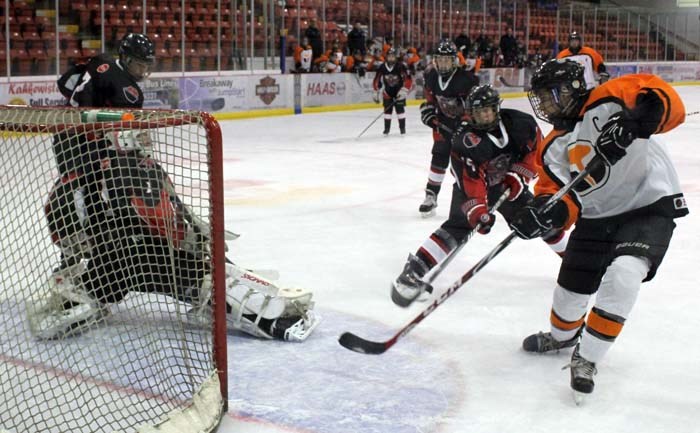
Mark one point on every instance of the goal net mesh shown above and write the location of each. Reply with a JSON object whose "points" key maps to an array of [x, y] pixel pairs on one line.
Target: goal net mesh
{"points": [[106, 264]]}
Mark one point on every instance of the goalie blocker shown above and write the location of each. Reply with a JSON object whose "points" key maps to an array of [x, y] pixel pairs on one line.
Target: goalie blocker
{"points": [[122, 228]]}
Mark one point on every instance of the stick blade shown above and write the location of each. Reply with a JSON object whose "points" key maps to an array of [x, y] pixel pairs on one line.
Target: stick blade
{"points": [[357, 344]]}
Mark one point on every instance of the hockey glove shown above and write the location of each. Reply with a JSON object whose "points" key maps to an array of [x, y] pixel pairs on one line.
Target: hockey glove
{"points": [[377, 96], [515, 183], [529, 222], [480, 218], [603, 77], [617, 134], [403, 93], [428, 115]]}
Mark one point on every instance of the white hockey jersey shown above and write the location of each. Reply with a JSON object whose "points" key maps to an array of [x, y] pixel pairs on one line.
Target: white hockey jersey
{"points": [[642, 178]]}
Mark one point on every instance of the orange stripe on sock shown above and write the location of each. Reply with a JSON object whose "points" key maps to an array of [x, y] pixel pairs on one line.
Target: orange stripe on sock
{"points": [[603, 326], [559, 323]]}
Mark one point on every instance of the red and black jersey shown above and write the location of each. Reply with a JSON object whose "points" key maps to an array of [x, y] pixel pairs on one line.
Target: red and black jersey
{"points": [[449, 94], [392, 78], [102, 82], [480, 159]]}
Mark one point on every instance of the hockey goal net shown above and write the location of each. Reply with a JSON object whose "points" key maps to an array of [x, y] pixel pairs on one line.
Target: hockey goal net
{"points": [[112, 315]]}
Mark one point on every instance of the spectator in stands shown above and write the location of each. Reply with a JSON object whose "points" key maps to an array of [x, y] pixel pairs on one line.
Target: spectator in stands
{"points": [[314, 36], [356, 39], [509, 47], [412, 60], [482, 43], [303, 56], [388, 44], [356, 64], [463, 44]]}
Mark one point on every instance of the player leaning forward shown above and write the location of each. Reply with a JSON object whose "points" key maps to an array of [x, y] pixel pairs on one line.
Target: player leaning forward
{"points": [[493, 151], [138, 236], [624, 211]]}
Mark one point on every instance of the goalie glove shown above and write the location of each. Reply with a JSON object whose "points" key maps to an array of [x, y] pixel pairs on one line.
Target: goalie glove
{"points": [[403, 93], [616, 136]]}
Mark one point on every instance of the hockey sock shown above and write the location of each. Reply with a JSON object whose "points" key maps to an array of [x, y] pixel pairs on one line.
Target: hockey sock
{"points": [[568, 313], [387, 124], [557, 241], [616, 296], [436, 247]]}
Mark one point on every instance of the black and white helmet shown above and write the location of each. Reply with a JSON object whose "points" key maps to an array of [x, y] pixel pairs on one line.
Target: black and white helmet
{"points": [[558, 90], [445, 57], [137, 54], [484, 104]]}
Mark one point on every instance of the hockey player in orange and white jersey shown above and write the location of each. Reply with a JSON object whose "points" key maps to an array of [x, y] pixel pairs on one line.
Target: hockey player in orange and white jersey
{"points": [[595, 72], [624, 210]]}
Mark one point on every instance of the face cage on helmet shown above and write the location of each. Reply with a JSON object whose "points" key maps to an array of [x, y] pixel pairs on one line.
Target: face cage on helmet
{"points": [[495, 107], [550, 103], [146, 66], [445, 64]]}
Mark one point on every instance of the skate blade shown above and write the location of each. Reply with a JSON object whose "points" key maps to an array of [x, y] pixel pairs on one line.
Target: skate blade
{"points": [[579, 398], [428, 214]]}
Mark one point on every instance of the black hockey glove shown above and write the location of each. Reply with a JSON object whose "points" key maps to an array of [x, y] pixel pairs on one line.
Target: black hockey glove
{"points": [[617, 134], [428, 115], [530, 223]]}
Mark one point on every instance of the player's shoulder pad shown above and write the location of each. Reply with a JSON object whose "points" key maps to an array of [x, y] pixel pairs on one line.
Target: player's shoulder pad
{"points": [[101, 63]]}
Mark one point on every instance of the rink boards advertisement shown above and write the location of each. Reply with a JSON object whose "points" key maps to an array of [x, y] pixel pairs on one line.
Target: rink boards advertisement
{"points": [[237, 92]]}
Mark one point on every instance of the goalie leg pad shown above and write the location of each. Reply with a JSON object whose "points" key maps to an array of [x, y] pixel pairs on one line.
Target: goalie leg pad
{"points": [[66, 311]]}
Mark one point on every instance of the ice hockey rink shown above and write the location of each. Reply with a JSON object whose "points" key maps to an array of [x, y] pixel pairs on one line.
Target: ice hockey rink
{"points": [[339, 215]]}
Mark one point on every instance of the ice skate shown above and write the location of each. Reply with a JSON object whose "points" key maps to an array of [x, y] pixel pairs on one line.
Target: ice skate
{"points": [[543, 342], [582, 372], [409, 286], [427, 208]]}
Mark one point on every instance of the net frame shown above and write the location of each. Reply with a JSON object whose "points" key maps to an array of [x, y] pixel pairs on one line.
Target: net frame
{"points": [[208, 402]]}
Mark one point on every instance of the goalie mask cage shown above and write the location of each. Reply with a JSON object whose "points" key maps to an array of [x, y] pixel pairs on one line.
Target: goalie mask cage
{"points": [[153, 358]]}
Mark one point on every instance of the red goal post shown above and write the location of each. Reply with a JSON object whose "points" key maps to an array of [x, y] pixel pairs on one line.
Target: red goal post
{"points": [[111, 226]]}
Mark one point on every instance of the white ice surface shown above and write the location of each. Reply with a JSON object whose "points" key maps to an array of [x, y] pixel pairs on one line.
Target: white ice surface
{"points": [[339, 215]]}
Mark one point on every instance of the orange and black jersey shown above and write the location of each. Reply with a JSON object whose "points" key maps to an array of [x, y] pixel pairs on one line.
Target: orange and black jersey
{"points": [[480, 159], [449, 95], [591, 60], [644, 179], [392, 78]]}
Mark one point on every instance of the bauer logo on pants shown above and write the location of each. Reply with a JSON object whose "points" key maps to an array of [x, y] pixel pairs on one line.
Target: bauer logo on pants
{"points": [[267, 90]]}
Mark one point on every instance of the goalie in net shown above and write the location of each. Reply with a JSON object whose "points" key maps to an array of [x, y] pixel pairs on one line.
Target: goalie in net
{"points": [[121, 227]]}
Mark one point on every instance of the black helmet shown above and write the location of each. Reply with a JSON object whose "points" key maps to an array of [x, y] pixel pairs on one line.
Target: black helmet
{"points": [[558, 90], [484, 96], [137, 54], [574, 36], [446, 57]]}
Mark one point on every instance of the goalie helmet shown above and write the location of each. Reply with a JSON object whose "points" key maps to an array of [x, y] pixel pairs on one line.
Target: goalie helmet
{"points": [[138, 55], [131, 140], [558, 90], [445, 57], [484, 104]]}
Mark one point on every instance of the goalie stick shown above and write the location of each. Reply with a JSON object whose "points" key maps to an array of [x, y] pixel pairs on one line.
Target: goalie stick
{"points": [[358, 344]]}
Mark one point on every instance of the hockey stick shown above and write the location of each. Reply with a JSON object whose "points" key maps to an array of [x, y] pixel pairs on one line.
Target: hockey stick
{"points": [[437, 270], [377, 118], [506, 83], [360, 345]]}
